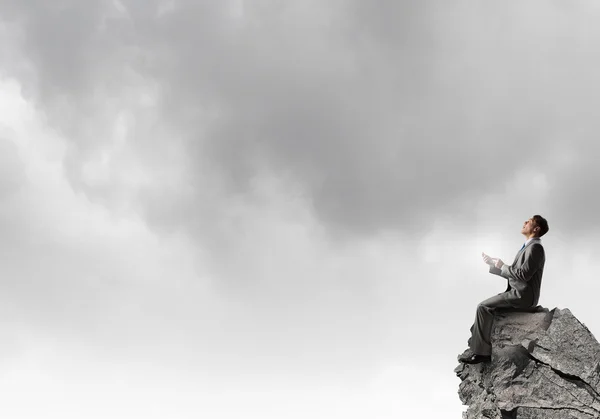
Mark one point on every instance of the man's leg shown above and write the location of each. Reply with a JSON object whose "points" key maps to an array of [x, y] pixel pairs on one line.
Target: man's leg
{"points": [[480, 342]]}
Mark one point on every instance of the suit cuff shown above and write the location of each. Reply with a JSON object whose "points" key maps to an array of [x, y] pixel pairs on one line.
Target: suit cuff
{"points": [[495, 271]]}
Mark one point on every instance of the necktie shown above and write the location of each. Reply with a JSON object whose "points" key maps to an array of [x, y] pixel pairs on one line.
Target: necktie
{"points": [[522, 247]]}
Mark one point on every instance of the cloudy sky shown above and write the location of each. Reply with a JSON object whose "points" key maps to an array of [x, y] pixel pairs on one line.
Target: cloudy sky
{"points": [[276, 209]]}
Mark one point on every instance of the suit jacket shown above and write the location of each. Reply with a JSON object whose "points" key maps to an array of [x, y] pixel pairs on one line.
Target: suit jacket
{"points": [[525, 274]]}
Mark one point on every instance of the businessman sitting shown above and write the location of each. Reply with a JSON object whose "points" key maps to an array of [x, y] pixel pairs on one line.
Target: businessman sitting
{"points": [[523, 292]]}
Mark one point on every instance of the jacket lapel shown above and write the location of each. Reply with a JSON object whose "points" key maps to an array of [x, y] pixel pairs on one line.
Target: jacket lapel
{"points": [[536, 240]]}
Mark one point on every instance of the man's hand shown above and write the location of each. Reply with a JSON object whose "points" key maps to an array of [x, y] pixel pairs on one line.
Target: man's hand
{"points": [[488, 259], [499, 264]]}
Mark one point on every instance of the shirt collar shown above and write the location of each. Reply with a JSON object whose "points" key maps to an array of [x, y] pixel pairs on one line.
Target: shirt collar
{"points": [[533, 238]]}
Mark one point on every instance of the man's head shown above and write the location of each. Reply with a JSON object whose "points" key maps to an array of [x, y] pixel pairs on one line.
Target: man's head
{"points": [[536, 226]]}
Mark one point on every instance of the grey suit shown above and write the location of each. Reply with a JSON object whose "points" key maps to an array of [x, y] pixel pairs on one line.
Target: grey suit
{"points": [[523, 292]]}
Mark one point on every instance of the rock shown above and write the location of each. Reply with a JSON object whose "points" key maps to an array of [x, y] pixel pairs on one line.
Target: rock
{"points": [[545, 365]]}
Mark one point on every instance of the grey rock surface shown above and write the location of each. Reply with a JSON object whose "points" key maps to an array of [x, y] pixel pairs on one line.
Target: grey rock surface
{"points": [[545, 365]]}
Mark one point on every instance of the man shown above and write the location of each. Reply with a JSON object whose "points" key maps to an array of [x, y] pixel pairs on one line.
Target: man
{"points": [[523, 292]]}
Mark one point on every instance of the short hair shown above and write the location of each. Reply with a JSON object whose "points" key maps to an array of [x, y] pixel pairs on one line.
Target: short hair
{"points": [[541, 223]]}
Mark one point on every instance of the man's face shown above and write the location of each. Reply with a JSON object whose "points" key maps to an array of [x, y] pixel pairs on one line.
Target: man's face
{"points": [[529, 227]]}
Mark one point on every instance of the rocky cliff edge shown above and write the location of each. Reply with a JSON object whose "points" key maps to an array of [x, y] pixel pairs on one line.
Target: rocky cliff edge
{"points": [[545, 365]]}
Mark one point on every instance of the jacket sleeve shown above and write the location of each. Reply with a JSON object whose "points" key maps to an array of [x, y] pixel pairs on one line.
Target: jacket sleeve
{"points": [[534, 258], [497, 271]]}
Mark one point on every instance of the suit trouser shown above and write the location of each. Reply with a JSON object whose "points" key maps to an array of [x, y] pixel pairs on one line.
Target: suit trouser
{"points": [[481, 331]]}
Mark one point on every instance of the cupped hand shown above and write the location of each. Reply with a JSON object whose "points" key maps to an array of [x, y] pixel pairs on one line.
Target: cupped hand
{"points": [[488, 259]]}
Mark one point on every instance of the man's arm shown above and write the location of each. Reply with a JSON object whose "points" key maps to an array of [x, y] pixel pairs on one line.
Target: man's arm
{"points": [[534, 257], [492, 262], [497, 271]]}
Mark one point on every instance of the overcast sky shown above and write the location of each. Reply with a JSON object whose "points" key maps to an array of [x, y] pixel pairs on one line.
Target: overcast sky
{"points": [[276, 209]]}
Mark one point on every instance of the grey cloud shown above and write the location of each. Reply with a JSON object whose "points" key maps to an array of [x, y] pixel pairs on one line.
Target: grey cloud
{"points": [[12, 175], [59, 41], [385, 115]]}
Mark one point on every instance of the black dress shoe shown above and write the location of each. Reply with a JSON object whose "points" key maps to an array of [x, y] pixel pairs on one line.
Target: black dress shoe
{"points": [[475, 359]]}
